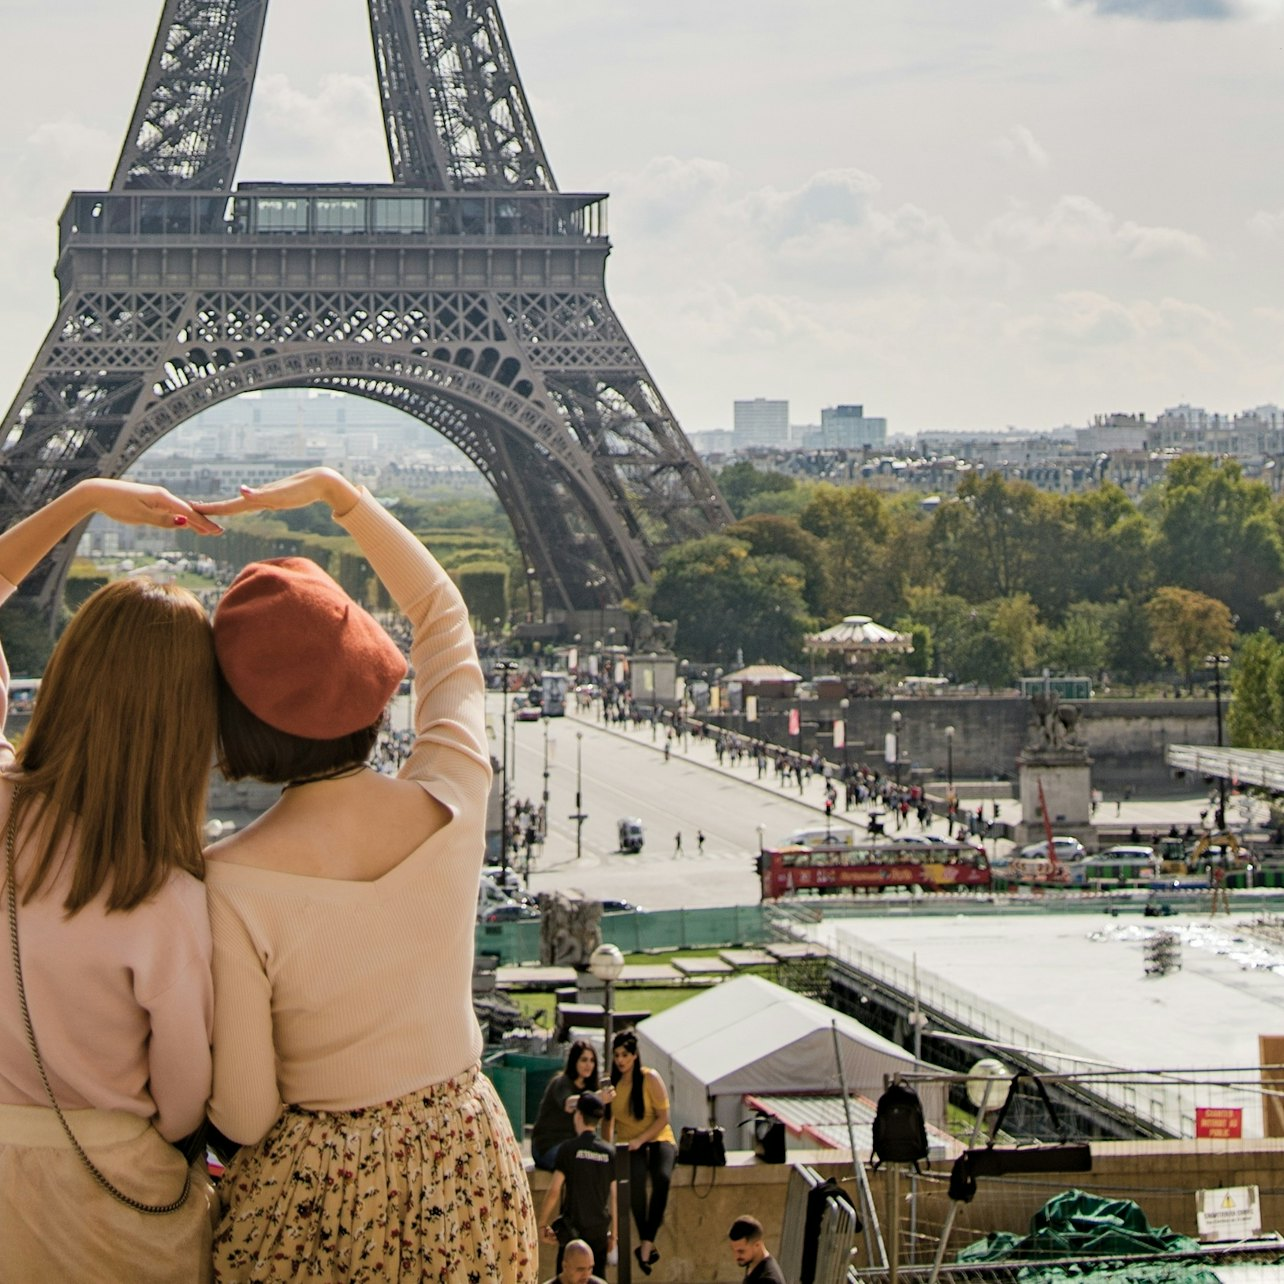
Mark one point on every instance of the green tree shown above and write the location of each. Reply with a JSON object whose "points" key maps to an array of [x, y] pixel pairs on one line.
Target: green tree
{"points": [[999, 538], [485, 589], [1081, 642], [1218, 535], [1186, 626], [741, 483], [1131, 655], [1252, 720], [767, 535], [723, 599], [1014, 622], [852, 524], [1109, 545]]}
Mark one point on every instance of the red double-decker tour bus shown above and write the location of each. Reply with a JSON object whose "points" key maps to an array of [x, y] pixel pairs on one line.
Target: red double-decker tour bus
{"points": [[871, 866]]}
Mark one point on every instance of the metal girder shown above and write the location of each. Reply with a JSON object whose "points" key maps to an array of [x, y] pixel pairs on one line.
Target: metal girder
{"points": [[455, 114], [469, 293], [189, 120]]}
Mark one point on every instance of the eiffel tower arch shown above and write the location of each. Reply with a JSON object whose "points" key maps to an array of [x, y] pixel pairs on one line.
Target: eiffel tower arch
{"points": [[469, 292]]}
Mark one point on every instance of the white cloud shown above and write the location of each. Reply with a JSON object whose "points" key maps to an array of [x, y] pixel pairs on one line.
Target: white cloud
{"points": [[1076, 224], [1176, 10], [1268, 224], [1020, 145], [329, 134]]}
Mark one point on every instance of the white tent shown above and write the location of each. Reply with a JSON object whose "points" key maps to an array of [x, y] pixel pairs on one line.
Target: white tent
{"points": [[749, 1035]]}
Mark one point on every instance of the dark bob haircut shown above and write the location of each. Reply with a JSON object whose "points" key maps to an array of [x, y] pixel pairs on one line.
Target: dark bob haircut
{"points": [[250, 749]]}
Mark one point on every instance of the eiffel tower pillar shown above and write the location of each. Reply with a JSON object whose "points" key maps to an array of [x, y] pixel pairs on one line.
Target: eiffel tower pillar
{"points": [[469, 293]]}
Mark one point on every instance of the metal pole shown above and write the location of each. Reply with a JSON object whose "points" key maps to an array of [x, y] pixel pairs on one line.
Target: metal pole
{"points": [[608, 1019], [579, 806], [1221, 779], [504, 667], [955, 1205], [623, 1230]]}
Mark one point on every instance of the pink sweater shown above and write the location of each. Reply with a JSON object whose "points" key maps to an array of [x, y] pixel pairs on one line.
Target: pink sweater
{"points": [[121, 1003], [332, 994]]}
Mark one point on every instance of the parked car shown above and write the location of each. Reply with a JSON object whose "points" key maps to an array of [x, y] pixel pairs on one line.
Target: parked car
{"points": [[610, 905], [510, 913], [1117, 864], [1066, 849]]}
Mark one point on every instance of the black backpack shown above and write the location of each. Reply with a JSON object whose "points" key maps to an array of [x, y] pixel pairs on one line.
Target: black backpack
{"points": [[900, 1133]]}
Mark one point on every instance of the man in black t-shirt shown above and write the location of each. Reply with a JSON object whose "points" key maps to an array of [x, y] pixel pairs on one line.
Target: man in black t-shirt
{"points": [[750, 1251], [583, 1182]]}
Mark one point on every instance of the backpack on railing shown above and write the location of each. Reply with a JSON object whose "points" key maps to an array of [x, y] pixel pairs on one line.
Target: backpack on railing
{"points": [[899, 1131]]}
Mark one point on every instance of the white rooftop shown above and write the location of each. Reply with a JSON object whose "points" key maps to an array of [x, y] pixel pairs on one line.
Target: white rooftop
{"points": [[1080, 987]]}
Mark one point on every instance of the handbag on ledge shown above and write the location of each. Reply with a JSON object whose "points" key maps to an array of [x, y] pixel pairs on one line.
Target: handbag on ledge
{"points": [[702, 1148]]}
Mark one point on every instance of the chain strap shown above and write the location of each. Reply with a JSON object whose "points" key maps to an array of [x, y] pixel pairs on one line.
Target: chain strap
{"points": [[136, 1204]]}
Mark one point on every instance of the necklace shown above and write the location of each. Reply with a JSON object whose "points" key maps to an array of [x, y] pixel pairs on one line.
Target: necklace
{"points": [[337, 774]]}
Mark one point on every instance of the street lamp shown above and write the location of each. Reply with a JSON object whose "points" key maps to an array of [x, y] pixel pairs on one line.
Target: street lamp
{"points": [[578, 815], [843, 705], [896, 744], [606, 963], [504, 668], [1217, 661], [949, 771]]}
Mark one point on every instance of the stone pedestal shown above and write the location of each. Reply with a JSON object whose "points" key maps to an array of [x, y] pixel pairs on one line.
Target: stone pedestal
{"points": [[1066, 776]]}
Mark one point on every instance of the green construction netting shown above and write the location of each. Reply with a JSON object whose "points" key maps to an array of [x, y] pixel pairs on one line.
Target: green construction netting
{"points": [[1076, 1224]]}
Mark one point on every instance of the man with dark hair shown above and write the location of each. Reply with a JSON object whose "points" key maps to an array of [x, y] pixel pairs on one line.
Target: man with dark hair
{"points": [[750, 1251], [583, 1182]]}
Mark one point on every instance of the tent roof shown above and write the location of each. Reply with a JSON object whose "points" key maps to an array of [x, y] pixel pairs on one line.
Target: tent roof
{"points": [[763, 673], [723, 1033], [858, 633]]}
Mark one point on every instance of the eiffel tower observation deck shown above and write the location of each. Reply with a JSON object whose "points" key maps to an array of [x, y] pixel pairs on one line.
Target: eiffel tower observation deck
{"points": [[468, 292]]}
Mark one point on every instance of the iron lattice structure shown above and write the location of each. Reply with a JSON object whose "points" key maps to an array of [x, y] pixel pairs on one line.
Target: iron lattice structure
{"points": [[469, 292]]}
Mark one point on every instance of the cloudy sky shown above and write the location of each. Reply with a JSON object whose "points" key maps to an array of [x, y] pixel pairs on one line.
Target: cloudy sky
{"points": [[967, 214]]}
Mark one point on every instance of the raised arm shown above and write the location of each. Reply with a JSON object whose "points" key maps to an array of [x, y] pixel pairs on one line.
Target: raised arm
{"points": [[450, 723], [22, 546]]}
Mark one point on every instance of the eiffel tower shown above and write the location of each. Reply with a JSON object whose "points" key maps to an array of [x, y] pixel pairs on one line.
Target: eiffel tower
{"points": [[469, 292]]}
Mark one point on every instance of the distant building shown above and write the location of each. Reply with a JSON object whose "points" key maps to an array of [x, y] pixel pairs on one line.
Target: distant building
{"points": [[712, 441], [1108, 433], [847, 428], [761, 422]]}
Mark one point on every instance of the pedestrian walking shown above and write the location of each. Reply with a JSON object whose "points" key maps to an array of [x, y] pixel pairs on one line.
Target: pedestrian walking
{"points": [[700, 841], [677, 843]]}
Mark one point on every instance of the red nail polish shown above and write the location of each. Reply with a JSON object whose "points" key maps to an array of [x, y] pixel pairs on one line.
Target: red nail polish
{"points": [[179, 519]]}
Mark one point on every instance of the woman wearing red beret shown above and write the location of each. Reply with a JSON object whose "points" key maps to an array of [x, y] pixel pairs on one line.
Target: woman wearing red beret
{"points": [[346, 1049]]}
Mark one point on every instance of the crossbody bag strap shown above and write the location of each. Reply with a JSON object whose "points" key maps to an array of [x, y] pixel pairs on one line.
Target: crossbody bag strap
{"points": [[136, 1204]]}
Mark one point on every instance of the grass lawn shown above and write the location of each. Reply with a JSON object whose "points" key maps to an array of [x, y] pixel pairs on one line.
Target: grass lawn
{"points": [[540, 1005]]}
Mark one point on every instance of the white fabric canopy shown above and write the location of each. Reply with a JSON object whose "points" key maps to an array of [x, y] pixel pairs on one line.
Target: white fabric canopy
{"points": [[750, 1035], [858, 633]]}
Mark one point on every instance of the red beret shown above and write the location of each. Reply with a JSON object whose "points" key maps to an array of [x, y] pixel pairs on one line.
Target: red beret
{"points": [[300, 654]]}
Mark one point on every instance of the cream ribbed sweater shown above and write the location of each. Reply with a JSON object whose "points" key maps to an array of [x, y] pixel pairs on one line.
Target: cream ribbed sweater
{"points": [[334, 995]]}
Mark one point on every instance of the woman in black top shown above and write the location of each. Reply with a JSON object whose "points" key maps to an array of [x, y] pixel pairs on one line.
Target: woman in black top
{"points": [[553, 1123]]}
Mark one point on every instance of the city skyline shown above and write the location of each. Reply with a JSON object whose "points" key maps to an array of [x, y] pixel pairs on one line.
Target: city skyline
{"points": [[1025, 214]]}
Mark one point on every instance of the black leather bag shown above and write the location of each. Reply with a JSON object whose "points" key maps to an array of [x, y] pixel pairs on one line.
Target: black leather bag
{"points": [[702, 1148]]}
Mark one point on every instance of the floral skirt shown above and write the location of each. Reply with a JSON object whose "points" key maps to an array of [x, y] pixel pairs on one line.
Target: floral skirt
{"points": [[429, 1187]]}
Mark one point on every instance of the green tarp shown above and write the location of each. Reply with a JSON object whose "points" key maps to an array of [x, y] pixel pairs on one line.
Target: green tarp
{"points": [[1076, 1224]]}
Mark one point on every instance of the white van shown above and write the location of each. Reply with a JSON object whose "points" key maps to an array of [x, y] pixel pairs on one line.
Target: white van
{"points": [[822, 836]]}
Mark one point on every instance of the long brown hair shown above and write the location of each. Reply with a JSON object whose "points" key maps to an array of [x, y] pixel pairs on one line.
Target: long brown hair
{"points": [[117, 756]]}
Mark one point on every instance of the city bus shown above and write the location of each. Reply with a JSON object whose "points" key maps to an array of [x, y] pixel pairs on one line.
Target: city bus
{"points": [[872, 867], [553, 693]]}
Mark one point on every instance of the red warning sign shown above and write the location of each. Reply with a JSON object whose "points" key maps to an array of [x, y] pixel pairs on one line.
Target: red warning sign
{"points": [[1223, 1122]]}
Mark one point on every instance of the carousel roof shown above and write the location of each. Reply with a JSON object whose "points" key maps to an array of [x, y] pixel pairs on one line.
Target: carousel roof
{"points": [[858, 633]]}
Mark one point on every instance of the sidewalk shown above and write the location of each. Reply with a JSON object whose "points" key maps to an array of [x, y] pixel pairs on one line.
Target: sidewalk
{"points": [[1150, 816]]}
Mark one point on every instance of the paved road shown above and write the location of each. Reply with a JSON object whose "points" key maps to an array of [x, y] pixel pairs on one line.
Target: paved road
{"points": [[624, 773]]}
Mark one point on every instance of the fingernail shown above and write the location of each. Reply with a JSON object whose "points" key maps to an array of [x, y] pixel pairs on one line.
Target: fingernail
{"points": [[179, 519]]}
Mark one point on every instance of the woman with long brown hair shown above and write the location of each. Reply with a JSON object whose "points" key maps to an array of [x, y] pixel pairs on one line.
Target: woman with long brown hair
{"points": [[346, 1048], [105, 1024], [640, 1119]]}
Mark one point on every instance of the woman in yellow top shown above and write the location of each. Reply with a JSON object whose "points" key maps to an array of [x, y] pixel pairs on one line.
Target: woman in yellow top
{"points": [[640, 1117]]}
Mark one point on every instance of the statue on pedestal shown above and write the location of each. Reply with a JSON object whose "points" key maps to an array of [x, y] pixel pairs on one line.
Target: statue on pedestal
{"points": [[570, 930]]}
